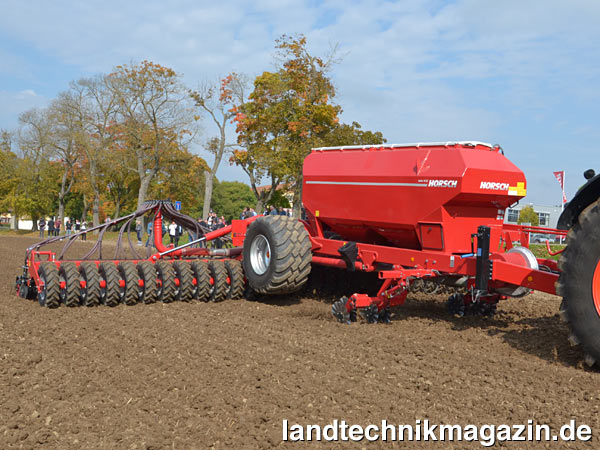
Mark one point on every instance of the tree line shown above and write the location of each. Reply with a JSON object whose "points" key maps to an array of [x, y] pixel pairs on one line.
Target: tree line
{"points": [[107, 143]]}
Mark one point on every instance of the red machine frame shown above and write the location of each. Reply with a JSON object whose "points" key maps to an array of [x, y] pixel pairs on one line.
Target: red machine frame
{"points": [[407, 264]]}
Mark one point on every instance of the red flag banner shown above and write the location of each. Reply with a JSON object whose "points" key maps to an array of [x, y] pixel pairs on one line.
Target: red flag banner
{"points": [[560, 177]]}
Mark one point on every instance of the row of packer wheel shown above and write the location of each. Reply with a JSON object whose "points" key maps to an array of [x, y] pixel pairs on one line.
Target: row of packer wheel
{"points": [[109, 283]]}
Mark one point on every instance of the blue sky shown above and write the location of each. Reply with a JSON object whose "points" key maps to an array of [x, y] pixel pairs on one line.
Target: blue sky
{"points": [[525, 75]]}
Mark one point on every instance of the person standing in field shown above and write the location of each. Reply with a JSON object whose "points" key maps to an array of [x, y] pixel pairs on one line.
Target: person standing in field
{"points": [[84, 229], [42, 226], [173, 233], [149, 242], [50, 227], [138, 231], [57, 225]]}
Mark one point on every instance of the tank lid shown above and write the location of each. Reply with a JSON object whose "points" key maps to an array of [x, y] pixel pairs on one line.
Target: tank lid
{"points": [[411, 145]]}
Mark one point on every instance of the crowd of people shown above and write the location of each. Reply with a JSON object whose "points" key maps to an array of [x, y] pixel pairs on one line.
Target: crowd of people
{"points": [[54, 227], [270, 211], [175, 231]]}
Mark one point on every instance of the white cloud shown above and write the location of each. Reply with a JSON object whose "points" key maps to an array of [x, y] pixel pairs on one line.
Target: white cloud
{"points": [[416, 70]]}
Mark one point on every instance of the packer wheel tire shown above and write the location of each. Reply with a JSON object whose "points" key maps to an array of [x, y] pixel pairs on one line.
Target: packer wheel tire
{"points": [[147, 273], [130, 292], [49, 293], [183, 272], [201, 273], [579, 282], [90, 293], [276, 255], [218, 287], [109, 294], [237, 284], [68, 276], [165, 275]]}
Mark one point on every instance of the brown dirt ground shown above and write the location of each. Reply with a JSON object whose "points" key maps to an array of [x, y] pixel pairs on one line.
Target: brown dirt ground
{"points": [[225, 375]]}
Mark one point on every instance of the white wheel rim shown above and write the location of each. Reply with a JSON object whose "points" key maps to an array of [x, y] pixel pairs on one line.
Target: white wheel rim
{"points": [[260, 254]]}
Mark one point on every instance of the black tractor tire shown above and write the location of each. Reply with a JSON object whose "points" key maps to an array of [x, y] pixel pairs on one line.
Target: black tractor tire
{"points": [[276, 255], [237, 283], [147, 273], [579, 282], [202, 288], [166, 281], [49, 295], [183, 272], [90, 293], [109, 294], [219, 286], [130, 293], [69, 294]]}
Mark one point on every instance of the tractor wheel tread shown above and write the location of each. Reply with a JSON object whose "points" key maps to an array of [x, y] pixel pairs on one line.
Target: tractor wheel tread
{"points": [[166, 275], [90, 294], [129, 274], [147, 273], [183, 271], [69, 295], [219, 287], [237, 283], [109, 295], [49, 296], [201, 272]]}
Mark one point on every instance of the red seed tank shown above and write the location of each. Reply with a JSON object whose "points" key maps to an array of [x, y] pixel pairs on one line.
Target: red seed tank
{"points": [[419, 196]]}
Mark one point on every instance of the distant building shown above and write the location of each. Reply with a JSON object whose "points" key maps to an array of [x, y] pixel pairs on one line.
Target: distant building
{"points": [[548, 215], [9, 221]]}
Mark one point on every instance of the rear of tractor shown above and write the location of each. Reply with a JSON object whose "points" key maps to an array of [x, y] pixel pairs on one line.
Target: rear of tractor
{"points": [[579, 280]]}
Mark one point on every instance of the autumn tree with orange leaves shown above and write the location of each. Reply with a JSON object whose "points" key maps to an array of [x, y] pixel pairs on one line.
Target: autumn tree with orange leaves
{"points": [[289, 112]]}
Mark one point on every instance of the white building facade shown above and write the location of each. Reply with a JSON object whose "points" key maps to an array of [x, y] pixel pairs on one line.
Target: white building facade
{"points": [[548, 215]]}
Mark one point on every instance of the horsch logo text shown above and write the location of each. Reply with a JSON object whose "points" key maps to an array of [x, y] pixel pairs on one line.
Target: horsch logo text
{"points": [[494, 186]]}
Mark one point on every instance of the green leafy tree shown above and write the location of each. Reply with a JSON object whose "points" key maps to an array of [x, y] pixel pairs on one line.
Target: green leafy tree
{"points": [[528, 215], [231, 197], [278, 199], [122, 184], [37, 176], [353, 134], [9, 162], [74, 205], [181, 178]]}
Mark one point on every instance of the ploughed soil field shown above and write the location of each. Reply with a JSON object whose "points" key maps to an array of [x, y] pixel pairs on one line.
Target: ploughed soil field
{"points": [[225, 375]]}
